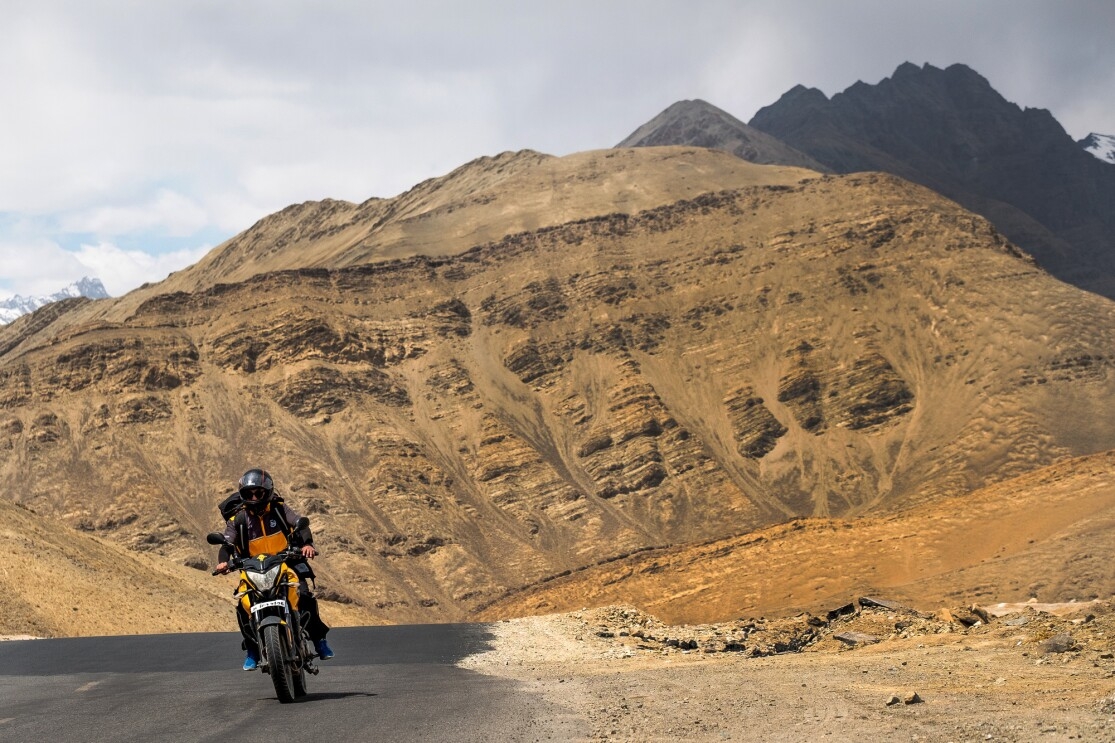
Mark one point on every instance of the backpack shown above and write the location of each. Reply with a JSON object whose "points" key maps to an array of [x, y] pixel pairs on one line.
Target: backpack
{"points": [[230, 506]]}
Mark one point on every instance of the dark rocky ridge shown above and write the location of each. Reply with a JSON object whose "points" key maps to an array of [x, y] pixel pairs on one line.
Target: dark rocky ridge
{"points": [[951, 131], [948, 130]]}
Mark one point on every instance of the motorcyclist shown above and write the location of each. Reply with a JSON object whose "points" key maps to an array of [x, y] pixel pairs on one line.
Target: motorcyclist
{"points": [[265, 525]]}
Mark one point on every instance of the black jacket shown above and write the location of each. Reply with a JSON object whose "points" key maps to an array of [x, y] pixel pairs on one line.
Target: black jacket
{"points": [[268, 532]]}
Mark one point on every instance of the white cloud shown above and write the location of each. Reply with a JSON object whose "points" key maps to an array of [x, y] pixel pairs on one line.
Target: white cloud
{"points": [[36, 267], [167, 212], [123, 270], [40, 267]]}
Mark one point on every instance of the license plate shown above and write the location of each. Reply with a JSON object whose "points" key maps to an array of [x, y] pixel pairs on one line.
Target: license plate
{"points": [[267, 605]]}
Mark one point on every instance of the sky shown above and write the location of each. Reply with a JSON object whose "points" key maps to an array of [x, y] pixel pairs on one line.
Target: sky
{"points": [[139, 135]]}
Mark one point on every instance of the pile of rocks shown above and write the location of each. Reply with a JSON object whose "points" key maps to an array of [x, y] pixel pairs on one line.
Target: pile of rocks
{"points": [[864, 622]]}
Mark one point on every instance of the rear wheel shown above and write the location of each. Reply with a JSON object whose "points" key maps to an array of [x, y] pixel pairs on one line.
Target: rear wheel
{"points": [[298, 676], [274, 646], [299, 673]]}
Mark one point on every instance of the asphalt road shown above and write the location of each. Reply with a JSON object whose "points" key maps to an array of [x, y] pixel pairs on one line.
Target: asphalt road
{"points": [[386, 683]]}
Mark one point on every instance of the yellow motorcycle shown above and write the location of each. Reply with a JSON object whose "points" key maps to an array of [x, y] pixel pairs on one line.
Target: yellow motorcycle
{"points": [[268, 594]]}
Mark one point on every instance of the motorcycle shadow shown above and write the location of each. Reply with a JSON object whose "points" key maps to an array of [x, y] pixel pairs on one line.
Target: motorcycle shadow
{"points": [[327, 695]]}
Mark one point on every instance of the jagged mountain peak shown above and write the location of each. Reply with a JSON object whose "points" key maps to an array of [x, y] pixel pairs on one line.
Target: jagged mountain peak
{"points": [[17, 306], [908, 72], [906, 69], [88, 287], [950, 130], [693, 114], [698, 123], [954, 87]]}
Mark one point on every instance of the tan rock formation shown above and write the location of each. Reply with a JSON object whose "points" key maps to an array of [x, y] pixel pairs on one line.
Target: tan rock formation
{"points": [[554, 363]]}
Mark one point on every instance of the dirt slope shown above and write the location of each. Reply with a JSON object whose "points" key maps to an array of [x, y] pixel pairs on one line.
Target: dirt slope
{"points": [[1039, 536]]}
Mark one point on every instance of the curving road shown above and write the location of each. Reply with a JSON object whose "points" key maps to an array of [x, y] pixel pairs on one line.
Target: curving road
{"points": [[387, 683]]}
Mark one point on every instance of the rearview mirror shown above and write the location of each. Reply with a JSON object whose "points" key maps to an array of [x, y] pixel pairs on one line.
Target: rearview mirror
{"points": [[215, 538]]}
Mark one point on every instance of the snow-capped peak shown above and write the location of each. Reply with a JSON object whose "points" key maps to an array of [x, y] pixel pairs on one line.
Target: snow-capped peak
{"points": [[18, 305], [1100, 145]]}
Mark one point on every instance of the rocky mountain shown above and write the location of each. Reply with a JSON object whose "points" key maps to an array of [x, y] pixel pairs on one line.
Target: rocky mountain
{"points": [[1040, 534], [18, 306], [1100, 145], [948, 130], [951, 131], [701, 124], [535, 364], [480, 202]]}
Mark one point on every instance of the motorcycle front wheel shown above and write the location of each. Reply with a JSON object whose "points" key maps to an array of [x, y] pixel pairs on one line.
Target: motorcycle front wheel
{"points": [[274, 647]]}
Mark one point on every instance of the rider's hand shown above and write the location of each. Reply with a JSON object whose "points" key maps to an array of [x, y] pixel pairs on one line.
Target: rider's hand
{"points": [[222, 567], [308, 551]]}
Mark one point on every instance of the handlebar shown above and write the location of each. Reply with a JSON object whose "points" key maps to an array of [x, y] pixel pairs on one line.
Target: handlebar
{"points": [[235, 562]]}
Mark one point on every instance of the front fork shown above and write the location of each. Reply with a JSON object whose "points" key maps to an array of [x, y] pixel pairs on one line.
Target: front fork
{"points": [[308, 651], [297, 639]]}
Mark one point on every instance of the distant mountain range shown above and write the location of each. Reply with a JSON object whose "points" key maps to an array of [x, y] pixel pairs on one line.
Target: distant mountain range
{"points": [[951, 131], [17, 306]]}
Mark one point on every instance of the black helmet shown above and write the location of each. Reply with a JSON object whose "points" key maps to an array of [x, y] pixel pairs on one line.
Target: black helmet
{"points": [[256, 488]]}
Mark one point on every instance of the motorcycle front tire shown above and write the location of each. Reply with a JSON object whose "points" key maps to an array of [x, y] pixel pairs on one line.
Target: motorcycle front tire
{"points": [[278, 663]]}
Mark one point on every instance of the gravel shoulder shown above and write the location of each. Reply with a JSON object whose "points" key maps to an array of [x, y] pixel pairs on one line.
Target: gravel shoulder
{"points": [[1027, 675]]}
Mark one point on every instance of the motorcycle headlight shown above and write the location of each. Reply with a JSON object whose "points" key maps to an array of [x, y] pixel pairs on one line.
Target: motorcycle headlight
{"points": [[263, 581]]}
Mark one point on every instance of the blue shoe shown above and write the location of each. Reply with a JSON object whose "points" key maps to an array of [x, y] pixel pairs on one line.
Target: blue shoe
{"points": [[323, 650], [251, 662]]}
